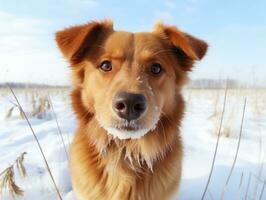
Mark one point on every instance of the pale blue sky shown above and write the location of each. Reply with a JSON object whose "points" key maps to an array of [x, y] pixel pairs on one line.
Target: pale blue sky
{"points": [[235, 30]]}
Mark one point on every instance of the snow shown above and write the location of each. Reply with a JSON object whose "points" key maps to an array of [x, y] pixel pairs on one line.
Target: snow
{"points": [[199, 133]]}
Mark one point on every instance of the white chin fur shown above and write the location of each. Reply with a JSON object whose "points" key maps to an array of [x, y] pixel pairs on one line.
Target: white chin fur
{"points": [[124, 134]]}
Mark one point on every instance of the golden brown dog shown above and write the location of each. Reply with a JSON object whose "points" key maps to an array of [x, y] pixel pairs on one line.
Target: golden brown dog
{"points": [[126, 95]]}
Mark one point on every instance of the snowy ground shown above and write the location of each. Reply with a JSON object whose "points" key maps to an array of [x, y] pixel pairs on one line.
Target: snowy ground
{"points": [[199, 132]]}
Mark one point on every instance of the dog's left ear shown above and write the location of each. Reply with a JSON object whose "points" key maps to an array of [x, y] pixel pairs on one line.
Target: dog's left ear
{"points": [[188, 48]]}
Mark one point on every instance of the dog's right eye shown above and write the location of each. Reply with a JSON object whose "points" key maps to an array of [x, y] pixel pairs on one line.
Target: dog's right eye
{"points": [[106, 66]]}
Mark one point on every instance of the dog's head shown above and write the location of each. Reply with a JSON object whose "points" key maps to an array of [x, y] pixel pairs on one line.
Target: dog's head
{"points": [[128, 81]]}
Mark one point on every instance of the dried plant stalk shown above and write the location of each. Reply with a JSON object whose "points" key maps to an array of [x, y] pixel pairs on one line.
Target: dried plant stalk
{"points": [[237, 150], [9, 112], [58, 127], [43, 106], [8, 182], [216, 146], [247, 190], [21, 114], [38, 143], [238, 196], [20, 167], [7, 179]]}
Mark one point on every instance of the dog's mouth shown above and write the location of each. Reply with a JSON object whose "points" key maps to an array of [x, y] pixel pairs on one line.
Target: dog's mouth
{"points": [[126, 132], [133, 129], [127, 128], [123, 129]]}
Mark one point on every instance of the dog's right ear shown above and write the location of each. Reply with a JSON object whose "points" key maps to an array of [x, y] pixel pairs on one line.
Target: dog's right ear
{"points": [[187, 47], [75, 42]]}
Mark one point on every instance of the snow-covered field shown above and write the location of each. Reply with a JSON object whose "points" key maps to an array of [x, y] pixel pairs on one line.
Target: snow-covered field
{"points": [[199, 132]]}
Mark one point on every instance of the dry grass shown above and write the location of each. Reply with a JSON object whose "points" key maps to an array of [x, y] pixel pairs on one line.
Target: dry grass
{"points": [[43, 107], [9, 112], [216, 147], [40, 106], [228, 129], [41, 103], [237, 151], [39, 110], [247, 190], [238, 196], [58, 127], [38, 143], [7, 177], [20, 167]]}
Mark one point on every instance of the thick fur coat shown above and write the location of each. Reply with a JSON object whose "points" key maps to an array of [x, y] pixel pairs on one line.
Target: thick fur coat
{"points": [[146, 163]]}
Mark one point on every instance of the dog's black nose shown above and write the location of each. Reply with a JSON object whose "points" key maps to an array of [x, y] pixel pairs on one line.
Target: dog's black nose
{"points": [[129, 106]]}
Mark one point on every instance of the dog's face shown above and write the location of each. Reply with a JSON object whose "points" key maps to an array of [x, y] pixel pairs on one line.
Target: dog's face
{"points": [[129, 80]]}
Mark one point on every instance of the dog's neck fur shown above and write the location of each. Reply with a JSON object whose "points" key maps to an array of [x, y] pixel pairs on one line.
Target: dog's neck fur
{"points": [[125, 168], [137, 153]]}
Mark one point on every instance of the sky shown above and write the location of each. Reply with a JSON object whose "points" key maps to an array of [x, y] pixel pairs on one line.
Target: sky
{"points": [[235, 31]]}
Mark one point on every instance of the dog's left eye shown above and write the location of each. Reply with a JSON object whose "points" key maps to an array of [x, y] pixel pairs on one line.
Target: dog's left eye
{"points": [[155, 68], [106, 66]]}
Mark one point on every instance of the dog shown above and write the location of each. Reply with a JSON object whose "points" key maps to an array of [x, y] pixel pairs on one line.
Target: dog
{"points": [[127, 98]]}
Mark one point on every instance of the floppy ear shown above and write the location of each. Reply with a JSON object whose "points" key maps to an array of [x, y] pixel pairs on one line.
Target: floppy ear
{"points": [[75, 42], [188, 48]]}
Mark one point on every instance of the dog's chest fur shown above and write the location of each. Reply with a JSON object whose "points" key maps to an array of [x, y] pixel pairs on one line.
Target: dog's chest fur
{"points": [[107, 168], [120, 173]]}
